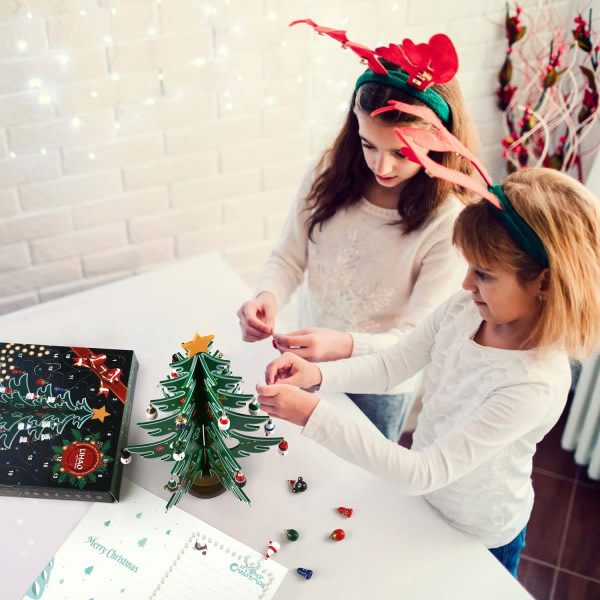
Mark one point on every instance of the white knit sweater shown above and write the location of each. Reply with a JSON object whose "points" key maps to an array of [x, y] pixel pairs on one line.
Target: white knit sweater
{"points": [[484, 411], [361, 274]]}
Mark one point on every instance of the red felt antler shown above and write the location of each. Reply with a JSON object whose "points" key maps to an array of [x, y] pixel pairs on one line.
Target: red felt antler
{"points": [[417, 142], [366, 55], [433, 62], [418, 154], [336, 34]]}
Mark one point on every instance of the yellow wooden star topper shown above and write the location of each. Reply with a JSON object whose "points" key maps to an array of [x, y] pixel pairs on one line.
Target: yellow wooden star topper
{"points": [[197, 345]]}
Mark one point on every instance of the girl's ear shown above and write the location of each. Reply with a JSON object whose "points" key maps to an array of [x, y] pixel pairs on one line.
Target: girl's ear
{"points": [[544, 279]]}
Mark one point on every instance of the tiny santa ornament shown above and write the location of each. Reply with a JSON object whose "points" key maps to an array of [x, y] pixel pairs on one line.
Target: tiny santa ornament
{"points": [[283, 448], [151, 413], [180, 421], [254, 406], [224, 422], [269, 427], [125, 456], [272, 549], [240, 479]]}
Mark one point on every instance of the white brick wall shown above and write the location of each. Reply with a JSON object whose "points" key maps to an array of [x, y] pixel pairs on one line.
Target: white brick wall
{"points": [[141, 131]]}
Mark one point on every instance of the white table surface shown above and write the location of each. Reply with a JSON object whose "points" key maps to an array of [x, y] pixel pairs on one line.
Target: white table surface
{"points": [[396, 545]]}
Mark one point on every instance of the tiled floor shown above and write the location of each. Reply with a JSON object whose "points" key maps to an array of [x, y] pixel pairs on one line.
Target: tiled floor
{"points": [[561, 560]]}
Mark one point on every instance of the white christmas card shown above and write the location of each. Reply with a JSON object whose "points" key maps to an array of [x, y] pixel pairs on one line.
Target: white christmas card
{"points": [[134, 550]]}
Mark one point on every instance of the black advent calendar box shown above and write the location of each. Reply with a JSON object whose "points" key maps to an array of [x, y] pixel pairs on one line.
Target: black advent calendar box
{"points": [[64, 414]]}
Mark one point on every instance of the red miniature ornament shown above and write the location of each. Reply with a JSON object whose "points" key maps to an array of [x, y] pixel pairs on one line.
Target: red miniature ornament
{"points": [[345, 511], [283, 448], [240, 479], [224, 422], [337, 535]]}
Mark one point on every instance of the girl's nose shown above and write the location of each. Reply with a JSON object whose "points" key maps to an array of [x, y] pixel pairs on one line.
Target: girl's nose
{"points": [[469, 282], [383, 165]]}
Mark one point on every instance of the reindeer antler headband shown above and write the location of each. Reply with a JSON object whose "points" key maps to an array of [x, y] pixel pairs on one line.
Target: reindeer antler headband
{"points": [[418, 142], [420, 65]]}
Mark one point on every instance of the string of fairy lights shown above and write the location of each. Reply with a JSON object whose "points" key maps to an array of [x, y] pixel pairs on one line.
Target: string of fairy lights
{"points": [[7, 356], [47, 93]]}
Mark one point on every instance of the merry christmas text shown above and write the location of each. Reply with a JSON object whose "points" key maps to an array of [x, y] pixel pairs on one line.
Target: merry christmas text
{"points": [[111, 553]]}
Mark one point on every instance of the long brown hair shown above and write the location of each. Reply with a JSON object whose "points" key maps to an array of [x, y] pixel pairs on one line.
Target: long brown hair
{"points": [[343, 174]]}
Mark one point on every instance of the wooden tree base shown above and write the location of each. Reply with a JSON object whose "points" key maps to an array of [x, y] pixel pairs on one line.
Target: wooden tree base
{"points": [[207, 487]]}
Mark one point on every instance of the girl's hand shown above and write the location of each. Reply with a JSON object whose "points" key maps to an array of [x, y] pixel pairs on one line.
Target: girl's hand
{"points": [[316, 344], [257, 317], [287, 402], [293, 370]]}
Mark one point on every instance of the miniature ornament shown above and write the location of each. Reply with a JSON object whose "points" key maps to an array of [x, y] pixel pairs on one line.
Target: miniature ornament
{"points": [[272, 549], [125, 456], [337, 535], [180, 421], [283, 448], [224, 422], [291, 534], [240, 479], [306, 573], [269, 427], [151, 413], [178, 450], [298, 485], [347, 512], [254, 406], [172, 485]]}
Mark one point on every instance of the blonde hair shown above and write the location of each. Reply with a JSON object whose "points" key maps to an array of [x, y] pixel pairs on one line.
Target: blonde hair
{"points": [[566, 217]]}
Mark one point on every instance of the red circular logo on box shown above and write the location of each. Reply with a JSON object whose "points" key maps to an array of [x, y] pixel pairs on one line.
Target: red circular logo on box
{"points": [[81, 459]]}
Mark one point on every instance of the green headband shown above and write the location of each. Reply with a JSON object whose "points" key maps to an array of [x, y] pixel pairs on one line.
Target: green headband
{"points": [[399, 80], [526, 238]]}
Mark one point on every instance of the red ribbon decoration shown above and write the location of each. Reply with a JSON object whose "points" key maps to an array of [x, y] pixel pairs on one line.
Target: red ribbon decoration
{"points": [[109, 379]]}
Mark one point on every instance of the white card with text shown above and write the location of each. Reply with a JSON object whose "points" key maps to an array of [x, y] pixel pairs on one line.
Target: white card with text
{"points": [[132, 550]]}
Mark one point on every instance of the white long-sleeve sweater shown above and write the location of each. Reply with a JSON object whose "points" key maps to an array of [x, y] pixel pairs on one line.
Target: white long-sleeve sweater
{"points": [[484, 411], [361, 274]]}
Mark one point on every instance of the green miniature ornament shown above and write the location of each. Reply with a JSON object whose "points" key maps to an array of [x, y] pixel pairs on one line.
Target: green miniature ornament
{"points": [[291, 534]]}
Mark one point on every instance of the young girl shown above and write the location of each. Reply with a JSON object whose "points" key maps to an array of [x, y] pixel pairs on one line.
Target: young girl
{"points": [[369, 233], [497, 362]]}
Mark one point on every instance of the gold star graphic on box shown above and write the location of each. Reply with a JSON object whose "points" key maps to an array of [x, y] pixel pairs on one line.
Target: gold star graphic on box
{"points": [[100, 414], [197, 345]]}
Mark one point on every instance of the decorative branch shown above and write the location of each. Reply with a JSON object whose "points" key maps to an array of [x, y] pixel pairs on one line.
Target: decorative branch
{"points": [[548, 90]]}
